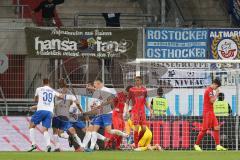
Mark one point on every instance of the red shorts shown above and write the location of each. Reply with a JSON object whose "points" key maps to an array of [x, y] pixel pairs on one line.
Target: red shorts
{"points": [[138, 118], [209, 121], [118, 121]]}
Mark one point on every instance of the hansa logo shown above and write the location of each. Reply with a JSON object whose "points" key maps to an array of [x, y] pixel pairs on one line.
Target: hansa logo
{"points": [[227, 49]]}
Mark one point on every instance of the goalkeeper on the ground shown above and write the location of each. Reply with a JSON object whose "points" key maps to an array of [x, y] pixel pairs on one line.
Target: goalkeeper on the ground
{"points": [[144, 142]]}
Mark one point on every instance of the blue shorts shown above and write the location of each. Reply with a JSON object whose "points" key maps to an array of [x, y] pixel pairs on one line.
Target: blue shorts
{"points": [[78, 124], [102, 120], [42, 116], [60, 123]]}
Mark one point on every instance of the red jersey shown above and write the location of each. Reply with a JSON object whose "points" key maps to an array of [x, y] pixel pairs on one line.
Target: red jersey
{"points": [[119, 102], [138, 97], [207, 104]]}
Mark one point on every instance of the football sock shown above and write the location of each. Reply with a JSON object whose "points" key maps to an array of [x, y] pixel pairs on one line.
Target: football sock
{"points": [[200, 136], [140, 135], [56, 141], [86, 139], [93, 140], [64, 135], [101, 137], [136, 138], [118, 132], [76, 138], [32, 135], [216, 137], [47, 138]]}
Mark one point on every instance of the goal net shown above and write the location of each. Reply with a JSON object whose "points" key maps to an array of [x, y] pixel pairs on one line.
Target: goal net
{"points": [[183, 83]]}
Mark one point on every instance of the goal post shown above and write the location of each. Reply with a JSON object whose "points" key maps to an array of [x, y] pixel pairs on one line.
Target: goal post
{"points": [[183, 82]]}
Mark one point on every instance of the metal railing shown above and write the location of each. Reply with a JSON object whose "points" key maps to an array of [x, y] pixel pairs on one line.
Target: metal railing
{"points": [[13, 11], [131, 19], [16, 16], [15, 105], [4, 102]]}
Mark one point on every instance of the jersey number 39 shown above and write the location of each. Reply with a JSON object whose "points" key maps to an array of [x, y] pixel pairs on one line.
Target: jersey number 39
{"points": [[47, 97]]}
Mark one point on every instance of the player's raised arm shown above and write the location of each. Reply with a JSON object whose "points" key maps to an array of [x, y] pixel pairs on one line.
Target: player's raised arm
{"points": [[215, 86], [109, 101], [213, 97]]}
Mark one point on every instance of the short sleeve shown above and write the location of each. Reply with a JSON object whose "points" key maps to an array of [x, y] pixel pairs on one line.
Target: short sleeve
{"points": [[71, 97], [115, 101], [37, 92], [57, 94]]}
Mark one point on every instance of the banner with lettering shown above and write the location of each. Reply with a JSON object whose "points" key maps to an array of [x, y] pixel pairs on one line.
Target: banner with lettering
{"points": [[224, 43], [94, 42], [172, 43], [180, 132], [179, 75]]}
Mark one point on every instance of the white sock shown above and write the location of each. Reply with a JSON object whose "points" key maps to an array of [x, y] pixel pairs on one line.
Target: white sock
{"points": [[32, 135], [93, 140], [86, 139], [64, 135], [47, 138], [78, 140], [118, 132], [56, 141], [101, 137]]}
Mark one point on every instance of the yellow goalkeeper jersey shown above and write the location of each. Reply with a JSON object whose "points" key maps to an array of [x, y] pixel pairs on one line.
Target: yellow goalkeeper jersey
{"points": [[147, 137]]}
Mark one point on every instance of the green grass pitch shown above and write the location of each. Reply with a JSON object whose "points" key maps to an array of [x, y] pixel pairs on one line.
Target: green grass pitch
{"points": [[124, 155]]}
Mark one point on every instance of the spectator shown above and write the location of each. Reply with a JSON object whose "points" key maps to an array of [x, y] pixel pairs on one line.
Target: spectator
{"points": [[159, 104], [48, 7], [112, 19], [222, 107]]}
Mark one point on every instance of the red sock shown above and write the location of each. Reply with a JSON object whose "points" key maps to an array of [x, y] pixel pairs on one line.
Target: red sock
{"points": [[200, 136], [118, 142], [216, 137], [136, 138], [140, 135]]}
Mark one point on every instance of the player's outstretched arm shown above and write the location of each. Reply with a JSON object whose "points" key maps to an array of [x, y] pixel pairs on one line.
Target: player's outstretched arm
{"points": [[213, 97], [60, 95], [109, 101], [79, 106], [90, 113]]}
